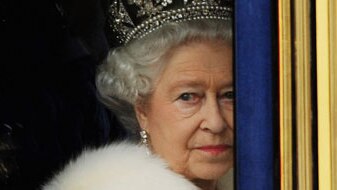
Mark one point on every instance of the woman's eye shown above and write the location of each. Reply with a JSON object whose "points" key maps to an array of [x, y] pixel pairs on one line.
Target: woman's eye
{"points": [[228, 95], [187, 97]]}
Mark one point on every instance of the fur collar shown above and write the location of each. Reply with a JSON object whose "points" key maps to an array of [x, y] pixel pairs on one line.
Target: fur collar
{"points": [[122, 166]]}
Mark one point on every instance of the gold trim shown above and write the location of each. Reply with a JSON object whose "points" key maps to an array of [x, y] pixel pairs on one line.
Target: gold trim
{"points": [[323, 94], [333, 87], [303, 94], [285, 94]]}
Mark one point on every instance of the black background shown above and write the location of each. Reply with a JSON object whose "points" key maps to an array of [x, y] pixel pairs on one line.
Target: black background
{"points": [[48, 103]]}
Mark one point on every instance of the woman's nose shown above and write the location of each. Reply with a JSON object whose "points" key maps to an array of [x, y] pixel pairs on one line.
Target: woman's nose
{"points": [[215, 119]]}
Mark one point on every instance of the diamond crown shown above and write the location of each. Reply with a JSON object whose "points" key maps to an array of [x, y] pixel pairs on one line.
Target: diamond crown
{"points": [[132, 19]]}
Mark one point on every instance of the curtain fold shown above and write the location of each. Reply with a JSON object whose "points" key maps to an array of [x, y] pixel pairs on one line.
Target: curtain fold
{"points": [[256, 94]]}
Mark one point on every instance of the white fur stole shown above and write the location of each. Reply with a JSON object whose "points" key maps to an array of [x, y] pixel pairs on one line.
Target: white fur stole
{"points": [[122, 166]]}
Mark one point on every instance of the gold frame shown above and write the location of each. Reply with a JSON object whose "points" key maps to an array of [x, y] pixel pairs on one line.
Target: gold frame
{"points": [[327, 92], [285, 76], [326, 40], [302, 57], [333, 86]]}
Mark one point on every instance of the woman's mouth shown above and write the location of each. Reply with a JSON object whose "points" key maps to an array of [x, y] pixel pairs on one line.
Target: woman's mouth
{"points": [[214, 149]]}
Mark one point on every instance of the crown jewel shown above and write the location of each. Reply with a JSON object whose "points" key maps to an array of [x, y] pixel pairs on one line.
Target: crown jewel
{"points": [[131, 19]]}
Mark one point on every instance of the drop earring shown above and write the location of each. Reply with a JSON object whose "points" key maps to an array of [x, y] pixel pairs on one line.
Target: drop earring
{"points": [[144, 140], [144, 137]]}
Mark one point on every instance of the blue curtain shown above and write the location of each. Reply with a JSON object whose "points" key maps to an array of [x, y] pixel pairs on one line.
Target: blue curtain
{"points": [[256, 84]]}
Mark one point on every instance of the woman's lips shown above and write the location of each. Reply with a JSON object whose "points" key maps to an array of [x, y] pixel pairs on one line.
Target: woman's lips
{"points": [[214, 149]]}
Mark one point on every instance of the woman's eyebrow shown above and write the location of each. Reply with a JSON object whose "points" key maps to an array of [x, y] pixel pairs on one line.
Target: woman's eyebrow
{"points": [[187, 83], [195, 83]]}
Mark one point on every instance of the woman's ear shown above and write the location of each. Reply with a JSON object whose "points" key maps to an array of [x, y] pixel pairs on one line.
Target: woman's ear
{"points": [[141, 115]]}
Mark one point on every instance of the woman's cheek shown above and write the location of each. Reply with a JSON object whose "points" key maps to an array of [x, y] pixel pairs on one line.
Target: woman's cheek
{"points": [[226, 104], [187, 109]]}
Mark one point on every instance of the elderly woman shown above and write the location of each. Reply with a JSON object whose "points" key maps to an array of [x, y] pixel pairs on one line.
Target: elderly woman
{"points": [[172, 82]]}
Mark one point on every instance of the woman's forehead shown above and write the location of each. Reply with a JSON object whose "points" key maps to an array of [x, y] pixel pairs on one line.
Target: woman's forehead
{"points": [[198, 64], [200, 55]]}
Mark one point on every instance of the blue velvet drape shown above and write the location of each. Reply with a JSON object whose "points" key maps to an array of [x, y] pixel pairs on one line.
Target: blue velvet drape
{"points": [[255, 82]]}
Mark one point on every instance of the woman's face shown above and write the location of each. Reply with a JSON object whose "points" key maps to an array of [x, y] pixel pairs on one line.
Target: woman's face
{"points": [[189, 116]]}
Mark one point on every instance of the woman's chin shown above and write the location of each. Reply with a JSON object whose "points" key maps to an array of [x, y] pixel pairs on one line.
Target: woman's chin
{"points": [[209, 177], [211, 172]]}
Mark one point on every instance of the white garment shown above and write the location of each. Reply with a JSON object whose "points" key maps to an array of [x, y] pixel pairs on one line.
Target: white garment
{"points": [[122, 166]]}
